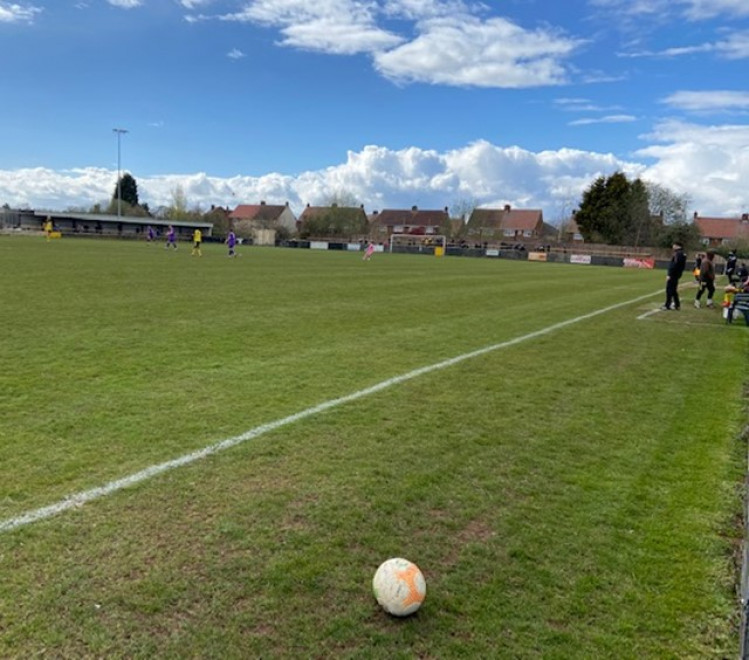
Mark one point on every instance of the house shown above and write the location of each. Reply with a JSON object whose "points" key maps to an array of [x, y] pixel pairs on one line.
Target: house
{"points": [[507, 225], [570, 232], [715, 232], [249, 220], [413, 221], [349, 222]]}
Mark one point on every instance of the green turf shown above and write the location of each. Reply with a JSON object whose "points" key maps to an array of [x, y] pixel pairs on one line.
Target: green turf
{"points": [[577, 494]]}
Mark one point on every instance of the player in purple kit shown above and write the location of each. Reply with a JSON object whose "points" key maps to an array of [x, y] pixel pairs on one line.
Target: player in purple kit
{"points": [[231, 241], [171, 238]]}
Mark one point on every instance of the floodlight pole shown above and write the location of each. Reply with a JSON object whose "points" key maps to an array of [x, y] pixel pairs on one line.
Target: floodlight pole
{"points": [[119, 132]]}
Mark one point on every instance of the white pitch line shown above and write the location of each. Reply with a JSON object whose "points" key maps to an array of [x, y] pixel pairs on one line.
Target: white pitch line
{"points": [[78, 499]]}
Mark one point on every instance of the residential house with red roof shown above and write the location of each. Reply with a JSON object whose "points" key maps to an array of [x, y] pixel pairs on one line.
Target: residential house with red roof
{"points": [[250, 219], [410, 221], [507, 225], [716, 232]]}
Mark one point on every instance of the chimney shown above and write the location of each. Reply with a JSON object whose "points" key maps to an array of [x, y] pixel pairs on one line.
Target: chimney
{"points": [[695, 215], [447, 211], [745, 217], [414, 208], [262, 202], [507, 208]]}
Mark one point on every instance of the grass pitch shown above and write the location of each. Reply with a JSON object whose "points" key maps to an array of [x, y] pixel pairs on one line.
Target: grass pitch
{"points": [[575, 494]]}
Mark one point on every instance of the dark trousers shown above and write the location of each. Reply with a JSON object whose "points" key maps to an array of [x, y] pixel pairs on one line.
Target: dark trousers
{"points": [[710, 286], [672, 292]]}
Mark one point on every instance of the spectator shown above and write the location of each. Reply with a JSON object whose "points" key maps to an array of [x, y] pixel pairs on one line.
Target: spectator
{"points": [[675, 271], [707, 279]]}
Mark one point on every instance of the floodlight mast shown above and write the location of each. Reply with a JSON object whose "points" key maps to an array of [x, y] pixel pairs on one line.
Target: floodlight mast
{"points": [[119, 132]]}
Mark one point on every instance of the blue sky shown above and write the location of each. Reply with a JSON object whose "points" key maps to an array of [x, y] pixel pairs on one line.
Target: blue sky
{"points": [[393, 103]]}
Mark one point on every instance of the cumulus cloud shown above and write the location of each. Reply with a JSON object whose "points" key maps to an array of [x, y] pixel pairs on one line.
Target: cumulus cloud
{"points": [[331, 26], [378, 177], [440, 41], [707, 162], [467, 51]]}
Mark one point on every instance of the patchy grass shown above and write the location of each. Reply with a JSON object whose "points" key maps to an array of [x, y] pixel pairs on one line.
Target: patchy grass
{"points": [[575, 494]]}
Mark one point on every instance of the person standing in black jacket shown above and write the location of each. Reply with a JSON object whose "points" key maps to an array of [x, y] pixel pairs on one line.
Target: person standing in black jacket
{"points": [[675, 270], [731, 267]]}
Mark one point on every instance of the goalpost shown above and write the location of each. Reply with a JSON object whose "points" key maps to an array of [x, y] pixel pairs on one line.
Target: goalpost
{"points": [[435, 244]]}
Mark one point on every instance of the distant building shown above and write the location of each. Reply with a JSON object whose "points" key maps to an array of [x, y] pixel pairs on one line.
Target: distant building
{"points": [[410, 221], [715, 232], [507, 225], [261, 221], [570, 232], [95, 224]]}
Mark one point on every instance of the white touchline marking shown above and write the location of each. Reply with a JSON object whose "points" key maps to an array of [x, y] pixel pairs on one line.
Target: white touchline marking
{"points": [[80, 498]]}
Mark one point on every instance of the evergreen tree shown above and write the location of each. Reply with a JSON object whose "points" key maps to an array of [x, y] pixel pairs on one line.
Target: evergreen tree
{"points": [[127, 189]]}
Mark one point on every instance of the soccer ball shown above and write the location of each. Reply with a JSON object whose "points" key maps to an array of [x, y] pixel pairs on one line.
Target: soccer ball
{"points": [[399, 586]]}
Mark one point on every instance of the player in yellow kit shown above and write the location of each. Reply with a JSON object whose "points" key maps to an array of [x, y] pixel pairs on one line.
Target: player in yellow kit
{"points": [[197, 238]]}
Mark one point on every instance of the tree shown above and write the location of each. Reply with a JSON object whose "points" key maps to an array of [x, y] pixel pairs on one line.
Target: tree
{"points": [[126, 190], [617, 211], [219, 217], [667, 204], [682, 232], [336, 222], [178, 210], [342, 198]]}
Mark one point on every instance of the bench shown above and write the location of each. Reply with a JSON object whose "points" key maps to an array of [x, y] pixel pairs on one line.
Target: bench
{"points": [[740, 304]]}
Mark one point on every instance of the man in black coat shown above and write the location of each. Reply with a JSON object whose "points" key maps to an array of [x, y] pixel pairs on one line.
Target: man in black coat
{"points": [[675, 270], [731, 267]]}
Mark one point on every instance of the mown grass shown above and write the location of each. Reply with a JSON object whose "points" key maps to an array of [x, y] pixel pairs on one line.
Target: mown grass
{"points": [[577, 494]]}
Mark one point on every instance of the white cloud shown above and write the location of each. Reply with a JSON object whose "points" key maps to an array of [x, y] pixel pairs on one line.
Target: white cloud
{"points": [[235, 54], [194, 4], [378, 177], [709, 101], [734, 47], [703, 9], [465, 51], [710, 163], [441, 42], [694, 10], [608, 119], [125, 4], [331, 26], [15, 13]]}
